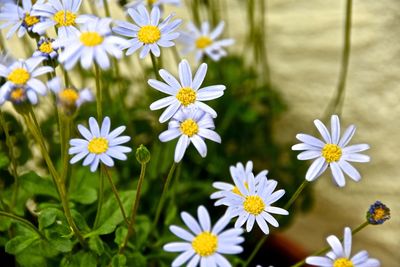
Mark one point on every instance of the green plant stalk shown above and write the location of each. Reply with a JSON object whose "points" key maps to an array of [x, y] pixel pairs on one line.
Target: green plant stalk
{"points": [[107, 8], [116, 194], [99, 201], [266, 74], [195, 7], [286, 207], [131, 227], [24, 222], [164, 194], [99, 94], [336, 104], [328, 248], [14, 164], [65, 133], [66, 77], [56, 178], [154, 64]]}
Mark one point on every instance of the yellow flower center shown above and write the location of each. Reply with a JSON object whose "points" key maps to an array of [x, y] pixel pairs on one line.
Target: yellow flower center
{"points": [[202, 42], [343, 262], [186, 96], [30, 20], [46, 47], [189, 127], [98, 145], [254, 205], [205, 244], [151, 2], [64, 18], [149, 34], [91, 38], [331, 152], [379, 214], [68, 96], [19, 76], [236, 190], [17, 94]]}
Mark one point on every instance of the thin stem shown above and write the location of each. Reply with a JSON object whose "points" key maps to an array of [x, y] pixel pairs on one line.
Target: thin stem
{"points": [[116, 194], [99, 94], [99, 200], [263, 44], [13, 161], [24, 222], [154, 64], [65, 127], [66, 77], [336, 104], [255, 250], [328, 248], [164, 193], [107, 8], [135, 206]]}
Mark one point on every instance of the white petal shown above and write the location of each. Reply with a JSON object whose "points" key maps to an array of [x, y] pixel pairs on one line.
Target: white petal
{"points": [[199, 76], [348, 134], [177, 246], [323, 131], [350, 170], [347, 242], [94, 127], [335, 245], [162, 87], [310, 140], [169, 79], [185, 74], [163, 102], [105, 126], [181, 233], [337, 174], [309, 154], [276, 210], [204, 219], [199, 144], [181, 147], [169, 135], [314, 169], [355, 148], [335, 129], [191, 223], [250, 222], [183, 258], [262, 224], [319, 261]]}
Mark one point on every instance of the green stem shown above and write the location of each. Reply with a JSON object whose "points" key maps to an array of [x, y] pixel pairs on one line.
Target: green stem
{"points": [[135, 206], [336, 104], [99, 94], [13, 161], [154, 64], [164, 194], [99, 200], [328, 248], [66, 78], [255, 250], [107, 8], [116, 194], [32, 126], [65, 128], [23, 221], [266, 74]]}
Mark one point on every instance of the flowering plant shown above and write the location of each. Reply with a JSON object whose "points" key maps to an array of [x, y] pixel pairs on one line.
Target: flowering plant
{"points": [[75, 107]]}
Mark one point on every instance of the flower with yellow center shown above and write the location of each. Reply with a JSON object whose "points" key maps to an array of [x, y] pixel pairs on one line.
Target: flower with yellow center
{"points": [[203, 41], [149, 34], [19, 76], [64, 18], [68, 96], [331, 152], [99, 145], [17, 95], [189, 127], [343, 262], [253, 205], [30, 20], [46, 48], [204, 241], [91, 39], [378, 213], [186, 96]]}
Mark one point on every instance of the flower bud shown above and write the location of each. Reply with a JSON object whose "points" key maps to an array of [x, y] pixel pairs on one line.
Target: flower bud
{"points": [[142, 154], [378, 213]]}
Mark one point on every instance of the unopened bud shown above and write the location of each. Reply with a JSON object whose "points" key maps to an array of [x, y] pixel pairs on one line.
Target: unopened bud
{"points": [[142, 154]]}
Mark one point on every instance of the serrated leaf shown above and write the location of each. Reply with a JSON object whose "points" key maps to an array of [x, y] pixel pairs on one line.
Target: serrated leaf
{"points": [[96, 245], [19, 243]]}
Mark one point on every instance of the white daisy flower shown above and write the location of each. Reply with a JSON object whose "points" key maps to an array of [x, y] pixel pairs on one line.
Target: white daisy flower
{"points": [[185, 93], [62, 14], [242, 174], [152, 3], [19, 18], [204, 244], [148, 32], [99, 144], [20, 95], [332, 152], [69, 98], [204, 42], [92, 43], [253, 203], [45, 48], [340, 254], [22, 75], [191, 126]]}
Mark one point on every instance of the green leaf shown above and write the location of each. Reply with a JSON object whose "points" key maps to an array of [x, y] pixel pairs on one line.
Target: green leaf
{"points": [[84, 195], [80, 259], [96, 244], [60, 243], [47, 217], [4, 161], [83, 188], [143, 227], [37, 185], [118, 261], [19, 243], [120, 234], [137, 260]]}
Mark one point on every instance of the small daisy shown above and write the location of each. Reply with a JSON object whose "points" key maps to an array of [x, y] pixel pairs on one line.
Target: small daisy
{"points": [[340, 254], [99, 144], [253, 203], [242, 173], [69, 98], [45, 48], [152, 3], [332, 152], [378, 213], [186, 93], [91, 44], [191, 126], [19, 95], [148, 33], [19, 18], [205, 42], [22, 75], [62, 14], [204, 244]]}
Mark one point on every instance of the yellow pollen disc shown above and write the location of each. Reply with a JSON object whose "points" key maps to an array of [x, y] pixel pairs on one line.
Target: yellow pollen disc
{"points": [[331, 152], [64, 18], [19, 76], [254, 205], [98, 145], [379, 214], [46, 48], [186, 96], [68, 96], [17, 94], [91, 38], [149, 34], [205, 244], [189, 127], [30, 20], [151, 2], [202, 42], [343, 262], [236, 190]]}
